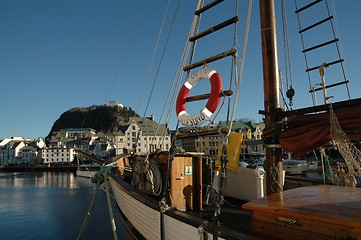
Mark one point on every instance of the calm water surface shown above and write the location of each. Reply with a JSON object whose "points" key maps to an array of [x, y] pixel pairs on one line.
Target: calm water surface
{"points": [[52, 205]]}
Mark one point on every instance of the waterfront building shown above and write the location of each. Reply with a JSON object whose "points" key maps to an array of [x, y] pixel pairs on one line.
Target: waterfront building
{"points": [[142, 135], [18, 150], [9, 153], [28, 154], [210, 144], [61, 137], [102, 148], [207, 144], [58, 155]]}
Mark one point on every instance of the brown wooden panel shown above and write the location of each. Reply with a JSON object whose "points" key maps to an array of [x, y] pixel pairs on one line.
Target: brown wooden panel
{"points": [[297, 228], [181, 183], [330, 211]]}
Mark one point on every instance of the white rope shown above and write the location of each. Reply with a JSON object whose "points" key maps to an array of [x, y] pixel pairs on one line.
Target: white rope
{"points": [[349, 152], [274, 173], [111, 214], [244, 50], [147, 177]]}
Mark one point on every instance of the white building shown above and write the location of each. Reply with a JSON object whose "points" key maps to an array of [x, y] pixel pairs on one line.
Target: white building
{"points": [[101, 148], [61, 137], [76, 133], [28, 154], [258, 130], [114, 104], [18, 150], [142, 134], [58, 155], [9, 151]]}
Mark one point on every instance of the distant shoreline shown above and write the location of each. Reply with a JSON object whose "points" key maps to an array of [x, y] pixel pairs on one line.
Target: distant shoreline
{"points": [[38, 168]]}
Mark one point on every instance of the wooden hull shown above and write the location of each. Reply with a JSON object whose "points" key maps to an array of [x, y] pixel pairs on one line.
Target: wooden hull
{"points": [[144, 215], [316, 212]]}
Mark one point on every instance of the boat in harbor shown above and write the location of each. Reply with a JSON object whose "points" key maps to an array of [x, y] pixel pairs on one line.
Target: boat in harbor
{"points": [[164, 194], [293, 166], [87, 170]]}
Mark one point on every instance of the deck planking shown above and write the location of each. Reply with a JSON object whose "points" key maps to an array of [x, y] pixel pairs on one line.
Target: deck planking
{"points": [[335, 210]]}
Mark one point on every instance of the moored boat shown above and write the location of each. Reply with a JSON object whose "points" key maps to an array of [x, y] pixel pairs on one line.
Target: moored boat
{"points": [[162, 195], [294, 166], [87, 170]]}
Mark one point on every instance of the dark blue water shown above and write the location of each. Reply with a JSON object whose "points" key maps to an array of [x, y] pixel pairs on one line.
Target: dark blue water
{"points": [[52, 205]]}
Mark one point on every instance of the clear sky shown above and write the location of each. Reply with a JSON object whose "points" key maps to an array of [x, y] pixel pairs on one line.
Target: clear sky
{"points": [[59, 54]]}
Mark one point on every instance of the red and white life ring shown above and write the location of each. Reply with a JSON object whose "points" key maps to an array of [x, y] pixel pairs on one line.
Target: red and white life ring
{"points": [[213, 101]]}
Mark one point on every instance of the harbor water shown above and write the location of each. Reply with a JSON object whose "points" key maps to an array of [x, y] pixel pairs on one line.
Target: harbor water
{"points": [[52, 205]]}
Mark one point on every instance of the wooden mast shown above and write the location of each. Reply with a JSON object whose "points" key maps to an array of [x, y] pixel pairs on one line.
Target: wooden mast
{"points": [[271, 94]]}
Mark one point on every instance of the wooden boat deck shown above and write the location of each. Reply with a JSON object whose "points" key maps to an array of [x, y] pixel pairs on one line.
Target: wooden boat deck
{"points": [[321, 212], [232, 216]]}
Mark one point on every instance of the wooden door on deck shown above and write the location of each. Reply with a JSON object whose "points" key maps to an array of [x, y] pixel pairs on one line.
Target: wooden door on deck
{"points": [[181, 182]]}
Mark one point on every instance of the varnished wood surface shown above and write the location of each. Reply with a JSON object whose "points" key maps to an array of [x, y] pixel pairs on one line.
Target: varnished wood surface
{"points": [[331, 204]]}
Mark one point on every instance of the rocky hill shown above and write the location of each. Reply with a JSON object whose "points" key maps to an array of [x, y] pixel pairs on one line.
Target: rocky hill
{"points": [[101, 118]]}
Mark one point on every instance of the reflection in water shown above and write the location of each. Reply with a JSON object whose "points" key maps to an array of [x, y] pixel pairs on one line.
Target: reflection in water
{"points": [[44, 205], [41, 179]]}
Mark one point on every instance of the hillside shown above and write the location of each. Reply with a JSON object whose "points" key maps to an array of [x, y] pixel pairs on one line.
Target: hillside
{"points": [[101, 118]]}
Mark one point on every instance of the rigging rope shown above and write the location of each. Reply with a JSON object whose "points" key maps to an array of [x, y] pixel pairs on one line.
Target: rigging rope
{"points": [[348, 150], [313, 94], [160, 63], [146, 176], [99, 178], [153, 55], [177, 80], [90, 212], [245, 42], [338, 47], [287, 55], [124, 56], [111, 214], [156, 77]]}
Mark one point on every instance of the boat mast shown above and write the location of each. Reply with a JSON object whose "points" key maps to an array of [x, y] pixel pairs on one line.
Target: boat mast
{"points": [[271, 95]]}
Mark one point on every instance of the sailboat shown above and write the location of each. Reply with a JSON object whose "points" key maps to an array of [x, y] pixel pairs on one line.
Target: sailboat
{"points": [[160, 195]]}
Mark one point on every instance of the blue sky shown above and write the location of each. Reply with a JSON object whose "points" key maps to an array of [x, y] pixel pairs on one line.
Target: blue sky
{"points": [[56, 55]]}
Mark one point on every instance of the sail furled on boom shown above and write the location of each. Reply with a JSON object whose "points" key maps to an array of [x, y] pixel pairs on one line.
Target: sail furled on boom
{"points": [[309, 132]]}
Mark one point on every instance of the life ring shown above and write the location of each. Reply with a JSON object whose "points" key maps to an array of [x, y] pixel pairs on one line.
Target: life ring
{"points": [[213, 101]]}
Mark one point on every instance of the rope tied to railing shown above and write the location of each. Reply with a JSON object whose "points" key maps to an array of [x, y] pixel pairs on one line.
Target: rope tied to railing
{"points": [[99, 178]]}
